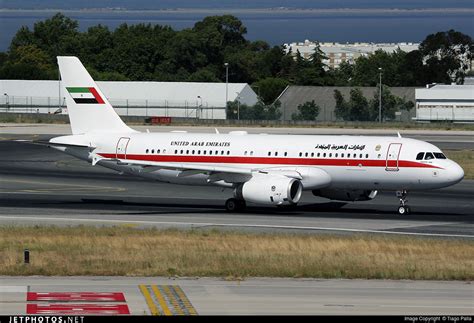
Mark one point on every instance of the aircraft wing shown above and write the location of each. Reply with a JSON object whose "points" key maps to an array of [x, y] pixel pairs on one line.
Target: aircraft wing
{"points": [[185, 166], [54, 144]]}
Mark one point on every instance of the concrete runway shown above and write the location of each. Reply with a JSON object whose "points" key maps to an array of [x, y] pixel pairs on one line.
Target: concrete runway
{"points": [[207, 296], [41, 185]]}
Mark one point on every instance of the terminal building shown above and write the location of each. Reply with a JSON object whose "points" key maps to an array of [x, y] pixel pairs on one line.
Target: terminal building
{"points": [[438, 102], [168, 99]]}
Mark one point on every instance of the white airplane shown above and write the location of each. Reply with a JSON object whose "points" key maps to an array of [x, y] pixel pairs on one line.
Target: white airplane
{"points": [[262, 169]]}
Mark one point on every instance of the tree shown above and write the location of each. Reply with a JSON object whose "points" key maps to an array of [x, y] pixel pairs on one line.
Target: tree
{"points": [[28, 62], [447, 55], [307, 111], [342, 109], [390, 104], [270, 88], [357, 109]]}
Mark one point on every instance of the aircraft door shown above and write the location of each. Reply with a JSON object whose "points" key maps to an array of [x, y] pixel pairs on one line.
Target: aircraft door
{"points": [[121, 151], [393, 154]]}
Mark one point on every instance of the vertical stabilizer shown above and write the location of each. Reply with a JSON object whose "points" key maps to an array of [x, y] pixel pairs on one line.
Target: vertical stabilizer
{"points": [[88, 108]]}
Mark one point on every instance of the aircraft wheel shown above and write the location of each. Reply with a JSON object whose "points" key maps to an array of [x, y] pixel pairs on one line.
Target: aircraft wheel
{"points": [[233, 205], [402, 210]]}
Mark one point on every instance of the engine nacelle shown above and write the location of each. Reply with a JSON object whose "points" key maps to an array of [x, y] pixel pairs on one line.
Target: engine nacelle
{"points": [[270, 190], [346, 195]]}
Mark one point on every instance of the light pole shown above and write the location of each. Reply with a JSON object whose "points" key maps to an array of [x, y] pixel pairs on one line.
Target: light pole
{"points": [[200, 106], [238, 106], [7, 101], [226, 83], [380, 94]]}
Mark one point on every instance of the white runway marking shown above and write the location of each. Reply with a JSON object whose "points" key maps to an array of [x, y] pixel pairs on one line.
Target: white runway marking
{"points": [[236, 225]]}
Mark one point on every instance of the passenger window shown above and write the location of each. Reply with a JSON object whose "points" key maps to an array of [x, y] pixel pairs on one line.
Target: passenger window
{"points": [[182, 152], [319, 154], [306, 154], [312, 154], [420, 156], [210, 152], [429, 156], [324, 155], [147, 151], [330, 154], [217, 152], [360, 156], [276, 153], [336, 155], [228, 152], [251, 153], [366, 155], [199, 152], [187, 152], [301, 154], [222, 152], [203, 152], [158, 151], [269, 153], [176, 152], [286, 154], [440, 156], [342, 155], [153, 151], [194, 152]]}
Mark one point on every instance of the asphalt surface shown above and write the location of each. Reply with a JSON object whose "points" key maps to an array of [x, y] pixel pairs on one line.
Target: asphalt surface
{"points": [[206, 296], [39, 185]]}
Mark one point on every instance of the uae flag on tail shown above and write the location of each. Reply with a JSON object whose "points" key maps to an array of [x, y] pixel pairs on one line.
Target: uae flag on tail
{"points": [[85, 95]]}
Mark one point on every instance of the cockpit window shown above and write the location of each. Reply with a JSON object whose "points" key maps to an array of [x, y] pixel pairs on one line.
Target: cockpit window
{"points": [[429, 156], [439, 155], [420, 156]]}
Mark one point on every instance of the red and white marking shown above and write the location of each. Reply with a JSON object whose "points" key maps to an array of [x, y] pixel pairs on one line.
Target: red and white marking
{"points": [[77, 309], [75, 297]]}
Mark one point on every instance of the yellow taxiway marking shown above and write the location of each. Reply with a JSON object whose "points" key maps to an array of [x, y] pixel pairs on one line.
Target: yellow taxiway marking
{"points": [[161, 300], [151, 305], [187, 304], [174, 301]]}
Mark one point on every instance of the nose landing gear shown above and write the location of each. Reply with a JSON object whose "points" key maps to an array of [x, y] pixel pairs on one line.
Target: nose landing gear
{"points": [[403, 208]]}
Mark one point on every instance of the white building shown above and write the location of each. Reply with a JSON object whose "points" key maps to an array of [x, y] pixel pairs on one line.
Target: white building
{"points": [[348, 52], [445, 103], [171, 99]]}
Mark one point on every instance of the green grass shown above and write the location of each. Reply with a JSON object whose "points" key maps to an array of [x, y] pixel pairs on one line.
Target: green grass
{"points": [[126, 251]]}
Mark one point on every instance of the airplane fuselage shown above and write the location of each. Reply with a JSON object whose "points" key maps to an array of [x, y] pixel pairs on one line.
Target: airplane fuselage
{"points": [[352, 162]]}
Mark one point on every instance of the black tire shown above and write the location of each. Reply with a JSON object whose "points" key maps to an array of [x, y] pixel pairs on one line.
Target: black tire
{"points": [[233, 205], [402, 210]]}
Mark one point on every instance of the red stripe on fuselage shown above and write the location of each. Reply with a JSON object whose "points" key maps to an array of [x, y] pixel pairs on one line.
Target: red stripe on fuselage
{"points": [[269, 160], [96, 95]]}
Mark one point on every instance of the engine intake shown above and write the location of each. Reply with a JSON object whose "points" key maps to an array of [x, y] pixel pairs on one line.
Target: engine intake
{"points": [[270, 190], [346, 195]]}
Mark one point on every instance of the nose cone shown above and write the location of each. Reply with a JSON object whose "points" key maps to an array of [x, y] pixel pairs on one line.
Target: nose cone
{"points": [[456, 173]]}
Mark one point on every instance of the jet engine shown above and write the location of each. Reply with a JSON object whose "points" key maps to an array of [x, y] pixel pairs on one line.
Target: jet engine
{"points": [[270, 190], [346, 195]]}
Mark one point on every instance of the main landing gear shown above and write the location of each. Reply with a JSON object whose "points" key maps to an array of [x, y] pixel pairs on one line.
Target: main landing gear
{"points": [[403, 208], [234, 205]]}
